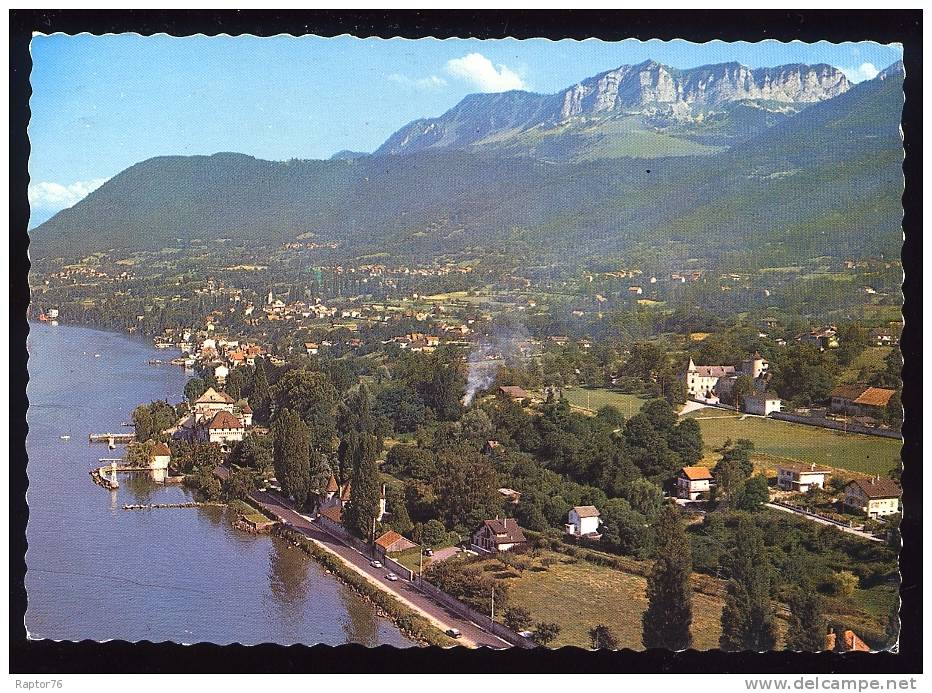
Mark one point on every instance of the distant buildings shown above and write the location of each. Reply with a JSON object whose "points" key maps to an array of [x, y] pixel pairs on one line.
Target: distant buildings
{"points": [[215, 418], [160, 456], [393, 542], [885, 336], [514, 392], [821, 338], [762, 404]]}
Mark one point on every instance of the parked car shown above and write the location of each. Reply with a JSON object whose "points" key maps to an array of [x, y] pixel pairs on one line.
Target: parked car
{"points": [[391, 577], [428, 552], [375, 564], [526, 634], [454, 633]]}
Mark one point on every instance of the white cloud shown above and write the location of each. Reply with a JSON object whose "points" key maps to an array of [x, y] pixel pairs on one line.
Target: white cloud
{"points": [[479, 71], [431, 82], [863, 72], [55, 196]]}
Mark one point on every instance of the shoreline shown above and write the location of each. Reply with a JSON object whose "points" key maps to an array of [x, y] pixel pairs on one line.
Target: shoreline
{"points": [[413, 624]]}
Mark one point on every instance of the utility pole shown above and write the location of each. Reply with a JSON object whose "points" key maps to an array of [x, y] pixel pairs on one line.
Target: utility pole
{"points": [[493, 603], [420, 570]]}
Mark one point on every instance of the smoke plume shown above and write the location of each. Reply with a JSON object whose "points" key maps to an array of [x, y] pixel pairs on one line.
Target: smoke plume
{"points": [[507, 343]]}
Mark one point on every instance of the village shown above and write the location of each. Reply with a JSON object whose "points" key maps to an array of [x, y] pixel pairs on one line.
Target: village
{"points": [[216, 423], [474, 440]]}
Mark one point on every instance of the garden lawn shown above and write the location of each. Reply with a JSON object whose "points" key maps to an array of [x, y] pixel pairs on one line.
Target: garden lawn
{"points": [[581, 595], [775, 441], [596, 397]]}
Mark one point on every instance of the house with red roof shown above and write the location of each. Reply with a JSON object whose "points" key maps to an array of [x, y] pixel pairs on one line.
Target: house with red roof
{"points": [[225, 428], [692, 481], [875, 497]]}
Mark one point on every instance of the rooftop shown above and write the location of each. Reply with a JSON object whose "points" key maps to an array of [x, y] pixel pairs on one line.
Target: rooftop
{"points": [[224, 419], [878, 487], [697, 473], [506, 531]]}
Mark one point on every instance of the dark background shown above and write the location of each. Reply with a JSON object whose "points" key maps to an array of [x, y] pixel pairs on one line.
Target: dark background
{"points": [[903, 26]]}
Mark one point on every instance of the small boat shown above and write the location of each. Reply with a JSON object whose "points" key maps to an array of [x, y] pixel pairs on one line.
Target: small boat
{"points": [[65, 437], [126, 423], [96, 356]]}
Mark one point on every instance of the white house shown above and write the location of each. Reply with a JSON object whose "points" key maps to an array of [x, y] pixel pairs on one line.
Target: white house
{"points": [[801, 477], [875, 497], [160, 456], [762, 405], [583, 520], [224, 428], [220, 373], [692, 481]]}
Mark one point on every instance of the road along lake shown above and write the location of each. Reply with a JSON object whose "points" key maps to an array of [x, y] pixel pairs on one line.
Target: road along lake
{"points": [[184, 575]]}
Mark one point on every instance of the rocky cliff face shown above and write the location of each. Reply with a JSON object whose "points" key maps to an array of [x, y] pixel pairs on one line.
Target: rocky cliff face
{"points": [[647, 89], [650, 83]]}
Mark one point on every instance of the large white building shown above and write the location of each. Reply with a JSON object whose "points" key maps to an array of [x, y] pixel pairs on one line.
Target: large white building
{"points": [[711, 382]]}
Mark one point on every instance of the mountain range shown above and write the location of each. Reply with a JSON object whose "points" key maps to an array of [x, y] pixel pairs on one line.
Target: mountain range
{"points": [[638, 110], [785, 163]]}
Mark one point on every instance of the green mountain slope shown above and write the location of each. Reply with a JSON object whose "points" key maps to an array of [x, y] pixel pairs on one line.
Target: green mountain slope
{"points": [[825, 181]]}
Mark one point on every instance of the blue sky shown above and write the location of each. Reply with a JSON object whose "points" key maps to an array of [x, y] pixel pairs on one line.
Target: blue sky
{"points": [[101, 104]]}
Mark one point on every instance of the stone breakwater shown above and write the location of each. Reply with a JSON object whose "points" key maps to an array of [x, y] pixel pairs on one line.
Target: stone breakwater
{"points": [[190, 504]]}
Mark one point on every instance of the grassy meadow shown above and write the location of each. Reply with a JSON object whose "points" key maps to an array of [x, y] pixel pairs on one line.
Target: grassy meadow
{"points": [[776, 441], [591, 399]]}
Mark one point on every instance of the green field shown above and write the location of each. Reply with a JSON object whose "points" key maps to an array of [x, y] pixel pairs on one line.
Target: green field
{"points": [[780, 440], [594, 398], [579, 595]]}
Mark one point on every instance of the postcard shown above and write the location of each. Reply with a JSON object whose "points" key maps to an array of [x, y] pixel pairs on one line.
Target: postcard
{"points": [[466, 343]]}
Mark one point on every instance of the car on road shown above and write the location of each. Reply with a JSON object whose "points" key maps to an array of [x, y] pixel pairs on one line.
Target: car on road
{"points": [[375, 564], [454, 633], [526, 634], [428, 552], [391, 577]]}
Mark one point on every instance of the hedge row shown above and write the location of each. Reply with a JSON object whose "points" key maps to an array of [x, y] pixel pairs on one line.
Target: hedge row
{"points": [[409, 622]]}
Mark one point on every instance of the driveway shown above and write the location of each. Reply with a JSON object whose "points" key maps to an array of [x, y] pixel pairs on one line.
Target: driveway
{"points": [[402, 589], [445, 553], [813, 518]]}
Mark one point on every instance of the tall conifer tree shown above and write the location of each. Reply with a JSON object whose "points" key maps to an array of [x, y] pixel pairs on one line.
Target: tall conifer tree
{"points": [[748, 621], [807, 627], [669, 611], [291, 451], [365, 492]]}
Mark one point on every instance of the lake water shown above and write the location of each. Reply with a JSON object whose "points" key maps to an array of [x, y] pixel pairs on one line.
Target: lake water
{"points": [[184, 575]]}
